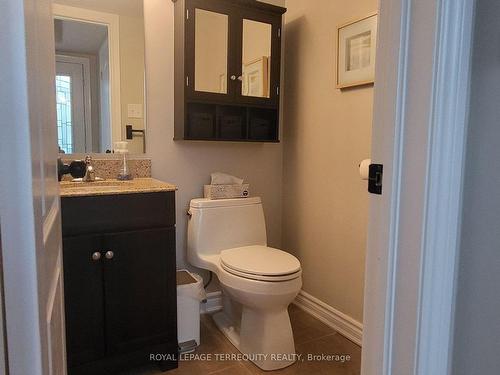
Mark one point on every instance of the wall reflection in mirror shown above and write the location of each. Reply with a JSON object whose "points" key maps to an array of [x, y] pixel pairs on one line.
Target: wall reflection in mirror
{"points": [[211, 47], [100, 75]]}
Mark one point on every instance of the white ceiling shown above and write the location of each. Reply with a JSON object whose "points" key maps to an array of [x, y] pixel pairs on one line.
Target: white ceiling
{"points": [[79, 37], [132, 8]]}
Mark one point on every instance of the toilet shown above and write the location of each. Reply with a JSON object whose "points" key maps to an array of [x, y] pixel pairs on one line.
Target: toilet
{"points": [[228, 237]]}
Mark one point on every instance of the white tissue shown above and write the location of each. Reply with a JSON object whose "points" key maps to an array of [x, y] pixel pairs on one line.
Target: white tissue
{"points": [[219, 178], [364, 167]]}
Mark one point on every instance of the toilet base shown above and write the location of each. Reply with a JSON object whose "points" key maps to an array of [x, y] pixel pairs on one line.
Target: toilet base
{"points": [[265, 337]]}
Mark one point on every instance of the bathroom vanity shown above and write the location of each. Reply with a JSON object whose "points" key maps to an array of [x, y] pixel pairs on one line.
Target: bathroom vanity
{"points": [[119, 274]]}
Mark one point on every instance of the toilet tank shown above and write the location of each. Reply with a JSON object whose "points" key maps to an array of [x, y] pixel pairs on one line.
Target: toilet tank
{"points": [[216, 225]]}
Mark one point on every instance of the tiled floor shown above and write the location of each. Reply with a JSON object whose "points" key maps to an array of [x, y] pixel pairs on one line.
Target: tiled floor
{"points": [[311, 337]]}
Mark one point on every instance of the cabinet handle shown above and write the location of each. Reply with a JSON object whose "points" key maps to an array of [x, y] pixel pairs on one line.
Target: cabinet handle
{"points": [[109, 254], [96, 256]]}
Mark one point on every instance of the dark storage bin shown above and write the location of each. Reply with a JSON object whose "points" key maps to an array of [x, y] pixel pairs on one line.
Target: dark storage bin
{"points": [[232, 123], [201, 121], [263, 124]]}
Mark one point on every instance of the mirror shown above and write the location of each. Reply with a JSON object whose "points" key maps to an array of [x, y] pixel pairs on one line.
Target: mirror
{"points": [[211, 46], [256, 59], [100, 75]]}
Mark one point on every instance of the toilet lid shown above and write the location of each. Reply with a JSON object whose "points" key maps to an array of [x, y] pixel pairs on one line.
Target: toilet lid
{"points": [[260, 261]]}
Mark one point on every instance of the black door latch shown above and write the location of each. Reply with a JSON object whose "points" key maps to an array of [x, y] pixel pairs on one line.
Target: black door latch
{"points": [[375, 174]]}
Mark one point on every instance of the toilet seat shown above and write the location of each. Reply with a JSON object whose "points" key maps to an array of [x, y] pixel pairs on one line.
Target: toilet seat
{"points": [[260, 263]]}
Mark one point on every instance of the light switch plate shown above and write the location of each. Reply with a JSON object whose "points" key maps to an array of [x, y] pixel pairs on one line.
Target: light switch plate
{"points": [[134, 110]]}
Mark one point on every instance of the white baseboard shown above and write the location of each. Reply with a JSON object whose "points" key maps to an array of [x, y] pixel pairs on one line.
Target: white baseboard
{"points": [[213, 304], [340, 322]]}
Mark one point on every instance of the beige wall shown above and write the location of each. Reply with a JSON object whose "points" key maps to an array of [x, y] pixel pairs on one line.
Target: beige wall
{"points": [[188, 164], [327, 132]]}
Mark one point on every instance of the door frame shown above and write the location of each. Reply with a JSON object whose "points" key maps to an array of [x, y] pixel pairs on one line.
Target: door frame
{"points": [[425, 334], [87, 108], [112, 22]]}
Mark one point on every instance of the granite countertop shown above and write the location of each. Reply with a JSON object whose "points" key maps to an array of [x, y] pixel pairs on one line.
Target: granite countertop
{"points": [[114, 187]]}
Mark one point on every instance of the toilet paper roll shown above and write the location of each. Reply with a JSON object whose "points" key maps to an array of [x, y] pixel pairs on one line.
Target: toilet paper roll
{"points": [[364, 167]]}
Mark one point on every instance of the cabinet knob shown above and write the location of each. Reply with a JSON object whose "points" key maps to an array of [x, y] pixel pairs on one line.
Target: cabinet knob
{"points": [[240, 78], [109, 254], [96, 256], [233, 78]]}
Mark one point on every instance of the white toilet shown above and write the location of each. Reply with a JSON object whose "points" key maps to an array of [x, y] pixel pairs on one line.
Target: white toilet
{"points": [[228, 237]]}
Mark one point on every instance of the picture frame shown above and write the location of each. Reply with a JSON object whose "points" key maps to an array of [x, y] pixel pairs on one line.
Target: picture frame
{"points": [[256, 78], [356, 52]]}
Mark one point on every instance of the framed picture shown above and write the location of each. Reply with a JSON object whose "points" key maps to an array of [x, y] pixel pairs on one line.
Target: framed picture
{"points": [[256, 78], [356, 47]]}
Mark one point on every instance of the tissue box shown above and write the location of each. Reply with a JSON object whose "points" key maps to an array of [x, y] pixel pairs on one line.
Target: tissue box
{"points": [[226, 191]]}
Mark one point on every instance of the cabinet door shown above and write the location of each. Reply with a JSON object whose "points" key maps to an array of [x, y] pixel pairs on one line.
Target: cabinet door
{"points": [[140, 289], [209, 50], [83, 295], [258, 42]]}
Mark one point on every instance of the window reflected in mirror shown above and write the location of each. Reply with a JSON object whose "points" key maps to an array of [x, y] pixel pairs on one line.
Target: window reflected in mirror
{"points": [[211, 46], [256, 59], [64, 113], [100, 74]]}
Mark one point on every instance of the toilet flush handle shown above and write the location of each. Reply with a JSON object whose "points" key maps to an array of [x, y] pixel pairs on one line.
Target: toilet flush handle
{"points": [[189, 214]]}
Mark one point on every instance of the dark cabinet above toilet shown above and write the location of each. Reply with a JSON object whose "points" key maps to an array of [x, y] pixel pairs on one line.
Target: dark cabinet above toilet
{"points": [[227, 70]]}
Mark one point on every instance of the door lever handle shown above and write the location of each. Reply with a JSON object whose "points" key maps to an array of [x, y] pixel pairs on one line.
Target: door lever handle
{"points": [[375, 175]]}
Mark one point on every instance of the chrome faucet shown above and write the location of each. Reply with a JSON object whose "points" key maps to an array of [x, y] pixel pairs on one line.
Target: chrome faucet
{"points": [[89, 170]]}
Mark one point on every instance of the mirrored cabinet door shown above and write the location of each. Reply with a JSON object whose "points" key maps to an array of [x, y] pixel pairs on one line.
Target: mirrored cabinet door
{"points": [[211, 51], [258, 64], [256, 59]]}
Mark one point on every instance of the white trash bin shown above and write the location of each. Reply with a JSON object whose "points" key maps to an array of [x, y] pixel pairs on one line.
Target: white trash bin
{"points": [[190, 292]]}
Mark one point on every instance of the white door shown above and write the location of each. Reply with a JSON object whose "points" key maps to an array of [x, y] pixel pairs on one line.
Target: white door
{"points": [[29, 191], [420, 115], [70, 107]]}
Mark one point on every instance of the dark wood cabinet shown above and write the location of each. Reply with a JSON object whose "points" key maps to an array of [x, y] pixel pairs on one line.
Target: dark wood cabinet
{"points": [[227, 70], [135, 284], [120, 288], [84, 299]]}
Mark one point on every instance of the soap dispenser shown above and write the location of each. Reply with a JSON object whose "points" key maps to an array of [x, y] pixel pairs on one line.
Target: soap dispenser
{"points": [[121, 148]]}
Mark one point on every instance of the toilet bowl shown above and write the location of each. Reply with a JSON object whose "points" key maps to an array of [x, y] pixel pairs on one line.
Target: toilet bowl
{"points": [[228, 237]]}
